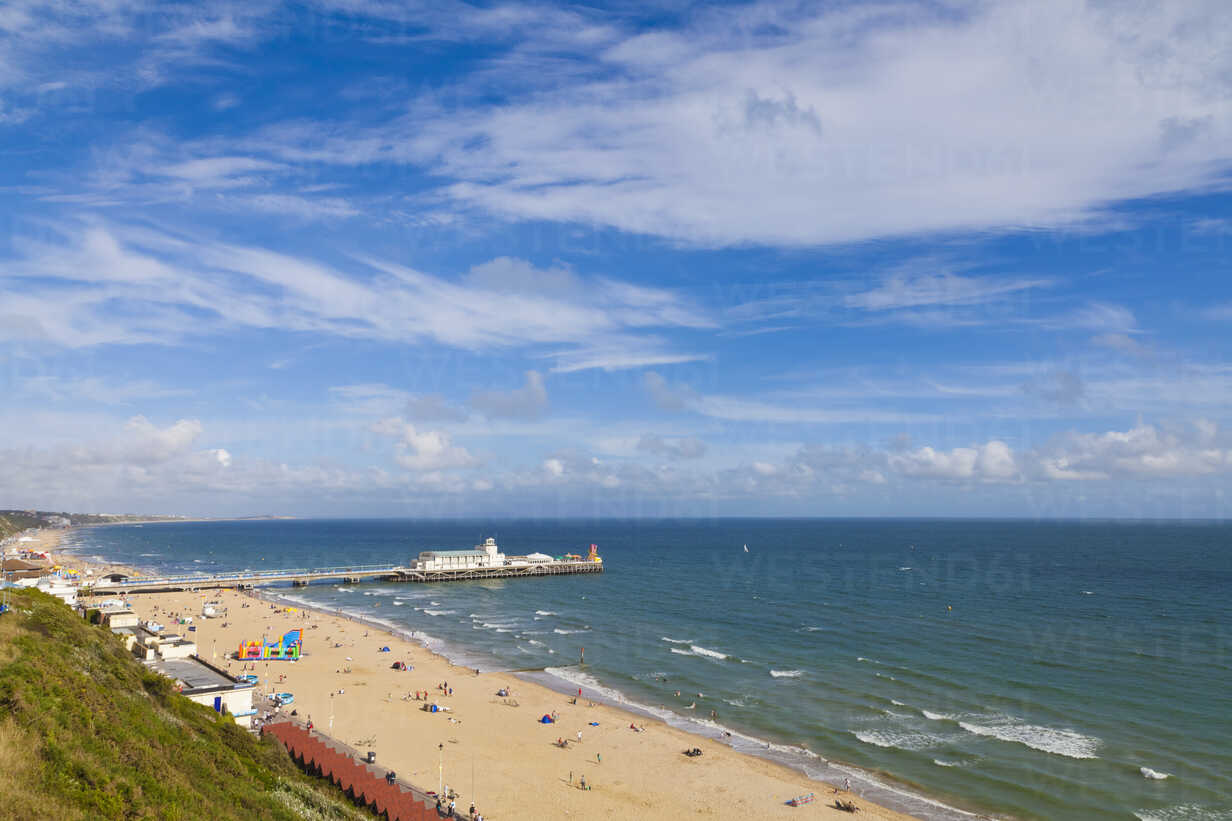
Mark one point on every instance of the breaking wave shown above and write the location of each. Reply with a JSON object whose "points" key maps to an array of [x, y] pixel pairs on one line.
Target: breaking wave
{"points": [[899, 740], [1068, 743], [703, 651]]}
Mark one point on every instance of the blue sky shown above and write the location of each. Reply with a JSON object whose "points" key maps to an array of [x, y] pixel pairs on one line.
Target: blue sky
{"points": [[376, 258]]}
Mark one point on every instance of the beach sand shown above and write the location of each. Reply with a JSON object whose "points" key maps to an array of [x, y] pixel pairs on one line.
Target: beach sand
{"points": [[492, 750]]}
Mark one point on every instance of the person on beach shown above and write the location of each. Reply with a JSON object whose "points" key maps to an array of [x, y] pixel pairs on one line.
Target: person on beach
{"points": [[846, 785], [579, 736]]}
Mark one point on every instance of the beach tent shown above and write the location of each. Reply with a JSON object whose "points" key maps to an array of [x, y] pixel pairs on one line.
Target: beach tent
{"points": [[547, 719]]}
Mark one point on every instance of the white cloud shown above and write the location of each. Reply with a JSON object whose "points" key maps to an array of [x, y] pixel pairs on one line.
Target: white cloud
{"points": [[841, 122], [527, 402], [1141, 452], [958, 463], [738, 409], [1121, 342], [916, 291], [684, 447], [423, 450], [217, 171], [169, 286], [137, 460], [847, 122], [666, 395], [621, 355], [145, 443], [1103, 317], [798, 410]]}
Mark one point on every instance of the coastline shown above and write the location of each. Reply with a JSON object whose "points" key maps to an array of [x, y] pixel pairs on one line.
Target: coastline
{"points": [[642, 774]]}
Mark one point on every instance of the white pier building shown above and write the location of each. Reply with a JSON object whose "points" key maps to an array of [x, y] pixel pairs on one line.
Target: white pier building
{"points": [[484, 555]]}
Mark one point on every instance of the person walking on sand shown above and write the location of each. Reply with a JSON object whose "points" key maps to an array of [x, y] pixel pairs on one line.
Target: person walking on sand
{"points": [[846, 785], [579, 736], [598, 758]]}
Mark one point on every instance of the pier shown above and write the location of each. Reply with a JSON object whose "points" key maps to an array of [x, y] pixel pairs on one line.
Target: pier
{"points": [[299, 577]]}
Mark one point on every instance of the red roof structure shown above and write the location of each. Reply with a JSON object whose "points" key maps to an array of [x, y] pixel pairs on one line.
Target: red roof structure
{"points": [[316, 757]]}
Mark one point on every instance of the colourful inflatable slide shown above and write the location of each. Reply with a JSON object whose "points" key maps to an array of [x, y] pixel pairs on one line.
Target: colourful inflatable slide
{"points": [[286, 650]]}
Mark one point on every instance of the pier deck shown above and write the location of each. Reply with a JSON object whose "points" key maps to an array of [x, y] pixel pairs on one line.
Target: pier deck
{"points": [[304, 576]]}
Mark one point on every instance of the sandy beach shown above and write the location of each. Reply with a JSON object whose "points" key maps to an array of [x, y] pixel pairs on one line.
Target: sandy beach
{"points": [[491, 749]]}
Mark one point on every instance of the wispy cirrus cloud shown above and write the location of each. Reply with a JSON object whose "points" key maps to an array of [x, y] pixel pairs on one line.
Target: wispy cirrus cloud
{"points": [[939, 289], [842, 123], [113, 283]]}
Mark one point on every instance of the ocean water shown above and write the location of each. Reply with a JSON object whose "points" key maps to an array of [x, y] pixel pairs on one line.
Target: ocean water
{"points": [[1008, 668]]}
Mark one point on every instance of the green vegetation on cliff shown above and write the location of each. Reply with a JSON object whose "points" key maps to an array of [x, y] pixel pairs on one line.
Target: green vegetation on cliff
{"points": [[13, 522], [87, 732]]}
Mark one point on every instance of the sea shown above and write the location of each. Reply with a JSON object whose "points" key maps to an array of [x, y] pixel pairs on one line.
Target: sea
{"points": [[1009, 669]]}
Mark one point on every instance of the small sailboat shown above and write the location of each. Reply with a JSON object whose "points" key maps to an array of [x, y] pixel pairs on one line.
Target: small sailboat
{"points": [[746, 548]]}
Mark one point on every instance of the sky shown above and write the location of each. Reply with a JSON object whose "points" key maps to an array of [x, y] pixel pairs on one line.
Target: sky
{"points": [[376, 258]]}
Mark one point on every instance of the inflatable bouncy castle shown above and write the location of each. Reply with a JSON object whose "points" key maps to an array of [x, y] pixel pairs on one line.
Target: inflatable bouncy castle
{"points": [[286, 650]]}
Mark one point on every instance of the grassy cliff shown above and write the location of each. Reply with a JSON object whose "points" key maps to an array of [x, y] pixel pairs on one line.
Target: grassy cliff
{"points": [[87, 732], [13, 522]]}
